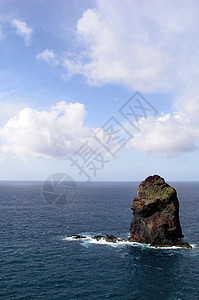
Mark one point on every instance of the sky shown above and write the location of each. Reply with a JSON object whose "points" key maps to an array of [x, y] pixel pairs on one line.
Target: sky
{"points": [[100, 90]]}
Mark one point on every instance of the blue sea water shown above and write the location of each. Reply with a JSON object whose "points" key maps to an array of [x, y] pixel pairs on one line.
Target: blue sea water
{"points": [[39, 261]]}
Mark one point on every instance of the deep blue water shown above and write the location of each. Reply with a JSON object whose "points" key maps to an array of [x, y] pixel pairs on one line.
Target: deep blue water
{"points": [[38, 263]]}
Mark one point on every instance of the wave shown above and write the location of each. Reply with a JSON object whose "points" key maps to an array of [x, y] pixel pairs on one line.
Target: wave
{"points": [[90, 240], [172, 247]]}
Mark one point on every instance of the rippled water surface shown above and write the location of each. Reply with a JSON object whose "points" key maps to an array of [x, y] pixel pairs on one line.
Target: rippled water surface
{"points": [[38, 261]]}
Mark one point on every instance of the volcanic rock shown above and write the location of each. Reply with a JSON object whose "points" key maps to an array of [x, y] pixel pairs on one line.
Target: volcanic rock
{"points": [[108, 238], [78, 236], [98, 237], [156, 215], [111, 238]]}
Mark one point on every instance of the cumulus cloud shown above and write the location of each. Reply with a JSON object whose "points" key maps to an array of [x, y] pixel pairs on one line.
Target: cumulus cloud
{"points": [[147, 46], [171, 134], [189, 104], [59, 132], [150, 47], [166, 136], [112, 59], [55, 133], [23, 30], [48, 56]]}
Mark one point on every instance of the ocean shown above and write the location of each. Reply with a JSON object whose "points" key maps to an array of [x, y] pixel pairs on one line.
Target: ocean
{"points": [[39, 260]]}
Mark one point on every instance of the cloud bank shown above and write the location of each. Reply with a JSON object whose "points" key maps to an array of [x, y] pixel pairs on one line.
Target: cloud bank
{"points": [[59, 132]]}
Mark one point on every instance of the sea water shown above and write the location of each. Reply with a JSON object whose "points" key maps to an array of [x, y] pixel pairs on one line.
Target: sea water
{"points": [[40, 260]]}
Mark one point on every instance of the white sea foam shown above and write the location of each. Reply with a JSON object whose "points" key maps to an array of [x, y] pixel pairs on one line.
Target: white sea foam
{"points": [[172, 247], [89, 240], [102, 241], [166, 248], [68, 238]]}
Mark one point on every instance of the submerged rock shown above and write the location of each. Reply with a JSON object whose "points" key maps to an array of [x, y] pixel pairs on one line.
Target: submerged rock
{"points": [[156, 215], [78, 236]]}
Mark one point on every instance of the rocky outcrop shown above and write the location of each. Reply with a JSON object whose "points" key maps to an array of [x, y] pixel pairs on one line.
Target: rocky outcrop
{"points": [[156, 215], [112, 239], [98, 237], [78, 236], [108, 238]]}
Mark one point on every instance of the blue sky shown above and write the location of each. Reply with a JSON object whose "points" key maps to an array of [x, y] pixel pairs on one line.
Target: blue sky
{"points": [[67, 67]]}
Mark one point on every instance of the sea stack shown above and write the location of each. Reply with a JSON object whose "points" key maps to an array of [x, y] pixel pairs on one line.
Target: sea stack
{"points": [[156, 215]]}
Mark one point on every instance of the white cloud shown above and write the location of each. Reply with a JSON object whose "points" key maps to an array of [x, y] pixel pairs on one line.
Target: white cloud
{"points": [[8, 109], [150, 47], [48, 56], [189, 104], [23, 30], [147, 46], [166, 136], [60, 132], [49, 134]]}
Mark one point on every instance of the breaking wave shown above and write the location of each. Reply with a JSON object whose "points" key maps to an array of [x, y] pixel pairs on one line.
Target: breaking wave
{"points": [[88, 240]]}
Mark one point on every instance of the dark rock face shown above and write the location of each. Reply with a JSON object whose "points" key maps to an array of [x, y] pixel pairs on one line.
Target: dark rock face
{"points": [[108, 238], [98, 237], [111, 238], [156, 214]]}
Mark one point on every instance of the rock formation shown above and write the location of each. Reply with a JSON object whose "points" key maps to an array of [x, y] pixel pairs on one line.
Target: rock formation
{"points": [[156, 215]]}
